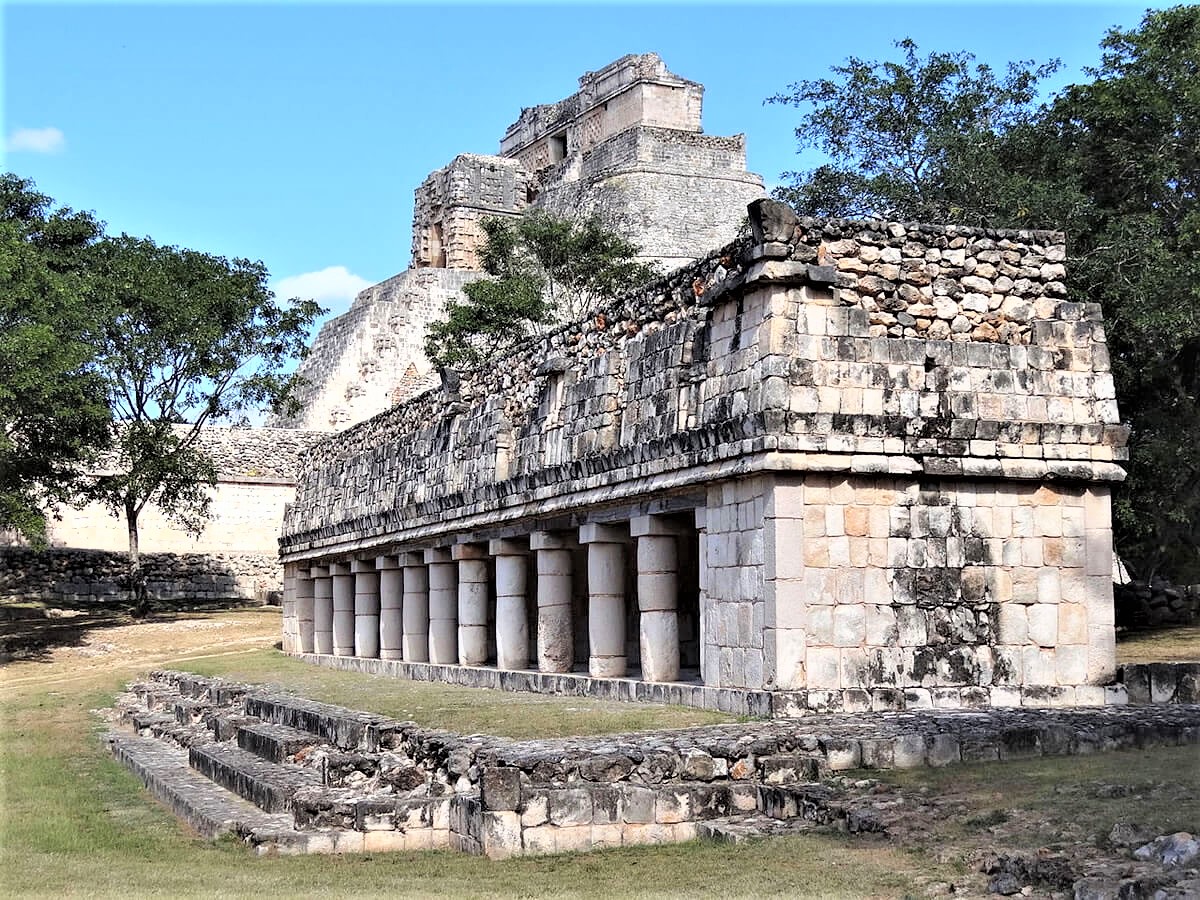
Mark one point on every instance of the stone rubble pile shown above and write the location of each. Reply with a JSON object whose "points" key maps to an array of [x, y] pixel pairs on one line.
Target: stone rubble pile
{"points": [[1157, 603]]}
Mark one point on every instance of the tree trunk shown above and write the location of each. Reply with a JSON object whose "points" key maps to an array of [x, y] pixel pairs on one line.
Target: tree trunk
{"points": [[137, 580]]}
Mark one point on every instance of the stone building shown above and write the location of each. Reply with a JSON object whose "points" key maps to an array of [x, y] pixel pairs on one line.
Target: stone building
{"points": [[628, 147], [835, 465]]}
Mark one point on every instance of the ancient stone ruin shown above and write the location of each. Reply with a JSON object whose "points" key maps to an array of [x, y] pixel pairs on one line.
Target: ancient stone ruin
{"points": [[289, 775], [628, 147], [831, 466]]}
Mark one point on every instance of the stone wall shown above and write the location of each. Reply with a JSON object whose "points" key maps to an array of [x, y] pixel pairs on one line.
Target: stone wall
{"points": [[74, 577], [892, 442], [235, 556]]}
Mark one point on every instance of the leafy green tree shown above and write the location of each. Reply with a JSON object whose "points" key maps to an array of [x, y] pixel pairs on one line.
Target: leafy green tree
{"points": [[190, 340], [911, 138], [545, 270], [53, 414], [1128, 142], [1114, 162]]}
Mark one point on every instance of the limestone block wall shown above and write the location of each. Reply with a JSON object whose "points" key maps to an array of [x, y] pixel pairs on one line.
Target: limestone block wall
{"points": [[672, 194], [450, 203], [372, 356], [631, 90], [889, 512], [71, 576]]}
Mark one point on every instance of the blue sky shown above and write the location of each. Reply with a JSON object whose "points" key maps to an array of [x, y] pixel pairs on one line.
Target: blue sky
{"points": [[296, 133]]}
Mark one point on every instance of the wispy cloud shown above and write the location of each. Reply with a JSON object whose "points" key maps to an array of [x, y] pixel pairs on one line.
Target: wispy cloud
{"points": [[36, 140], [334, 287]]}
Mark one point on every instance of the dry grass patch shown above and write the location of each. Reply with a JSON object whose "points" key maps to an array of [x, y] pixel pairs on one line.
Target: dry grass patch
{"points": [[1160, 645]]}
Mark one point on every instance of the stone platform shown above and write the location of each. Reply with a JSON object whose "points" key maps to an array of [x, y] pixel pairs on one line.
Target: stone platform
{"points": [[290, 775]]}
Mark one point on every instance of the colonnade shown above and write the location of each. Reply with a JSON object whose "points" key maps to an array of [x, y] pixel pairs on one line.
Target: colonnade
{"points": [[432, 605]]}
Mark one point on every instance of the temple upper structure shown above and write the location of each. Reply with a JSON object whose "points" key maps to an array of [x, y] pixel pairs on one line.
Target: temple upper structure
{"points": [[627, 146]]}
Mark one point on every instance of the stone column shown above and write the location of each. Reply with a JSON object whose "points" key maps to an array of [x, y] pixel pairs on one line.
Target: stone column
{"points": [[322, 609], [304, 609], [555, 624], [472, 603], [366, 608], [443, 607], [415, 640], [606, 599], [291, 640], [658, 597], [391, 607], [512, 619], [343, 609]]}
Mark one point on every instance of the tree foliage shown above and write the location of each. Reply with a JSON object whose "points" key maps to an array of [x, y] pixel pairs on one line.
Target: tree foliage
{"points": [[53, 414], [545, 270], [1114, 162], [189, 339], [910, 137]]}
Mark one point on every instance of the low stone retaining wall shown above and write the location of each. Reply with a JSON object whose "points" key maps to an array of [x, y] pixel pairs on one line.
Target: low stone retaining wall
{"points": [[1162, 682], [759, 704], [73, 577]]}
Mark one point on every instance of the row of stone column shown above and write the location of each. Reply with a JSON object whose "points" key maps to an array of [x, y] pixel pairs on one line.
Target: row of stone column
{"points": [[432, 605]]}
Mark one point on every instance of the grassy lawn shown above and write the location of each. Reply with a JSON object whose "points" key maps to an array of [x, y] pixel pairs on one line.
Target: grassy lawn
{"points": [[1160, 645], [74, 823]]}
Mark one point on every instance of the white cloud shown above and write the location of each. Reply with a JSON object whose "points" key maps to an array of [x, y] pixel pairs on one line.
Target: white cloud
{"points": [[36, 140], [334, 287]]}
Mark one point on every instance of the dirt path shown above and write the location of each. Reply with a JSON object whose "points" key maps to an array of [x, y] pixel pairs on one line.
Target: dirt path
{"points": [[79, 648]]}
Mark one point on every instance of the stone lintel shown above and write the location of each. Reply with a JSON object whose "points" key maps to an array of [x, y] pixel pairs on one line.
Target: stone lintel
{"points": [[410, 559], [507, 547], [645, 526], [468, 551], [437, 555], [592, 533], [358, 566], [550, 540], [339, 568], [387, 562], [318, 571]]}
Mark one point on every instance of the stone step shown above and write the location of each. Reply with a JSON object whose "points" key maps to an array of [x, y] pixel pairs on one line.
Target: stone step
{"points": [[200, 687], [207, 807], [224, 725], [269, 786], [740, 829], [816, 803], [191, 712], [274, 743], [143, 720], [346, 729], [155, 695]]}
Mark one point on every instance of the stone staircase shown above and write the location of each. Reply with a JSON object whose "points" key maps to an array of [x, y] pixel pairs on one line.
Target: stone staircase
{"points": [[291, 775]]}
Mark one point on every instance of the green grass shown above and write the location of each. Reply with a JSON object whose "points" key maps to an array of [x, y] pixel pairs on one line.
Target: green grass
{"points": [[461, 709], [74, 823]]}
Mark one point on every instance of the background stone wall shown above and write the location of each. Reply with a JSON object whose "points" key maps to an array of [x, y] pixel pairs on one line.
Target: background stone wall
{"points": [[74, 577]]}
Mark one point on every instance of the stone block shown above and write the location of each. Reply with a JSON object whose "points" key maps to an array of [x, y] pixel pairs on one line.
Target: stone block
{"points": [[570, 806], [637, 804], [500, 788]]}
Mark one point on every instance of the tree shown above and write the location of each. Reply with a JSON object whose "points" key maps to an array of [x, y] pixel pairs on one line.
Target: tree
{"points": [[53, 414], [909, 138], [545, 270], [1115, 163], [190, 339]]}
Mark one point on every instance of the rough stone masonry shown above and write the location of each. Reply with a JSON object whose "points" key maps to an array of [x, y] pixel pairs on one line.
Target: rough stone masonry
{"points": [[853, 465]]}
